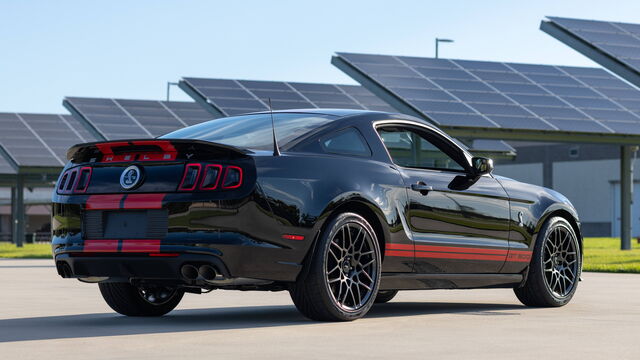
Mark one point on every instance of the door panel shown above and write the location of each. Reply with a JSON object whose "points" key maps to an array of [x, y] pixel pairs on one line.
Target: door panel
{"points": [[458, 231], [459, 222]]}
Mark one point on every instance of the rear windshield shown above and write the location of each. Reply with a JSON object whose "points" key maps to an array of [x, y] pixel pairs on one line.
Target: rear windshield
{"points": [[252, 131]]}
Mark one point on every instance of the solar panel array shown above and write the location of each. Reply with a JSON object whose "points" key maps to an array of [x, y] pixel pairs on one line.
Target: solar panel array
{"points": [[57, 132], [39, 139], [233, 97], [619, 40], [480, 94], [491, 146], [128, 119]]}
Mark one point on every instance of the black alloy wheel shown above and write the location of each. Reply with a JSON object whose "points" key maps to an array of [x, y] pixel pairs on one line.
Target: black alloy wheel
{"points": [[554, 271], [344, 274]]}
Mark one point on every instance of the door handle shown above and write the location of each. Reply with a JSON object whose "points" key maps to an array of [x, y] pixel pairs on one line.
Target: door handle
{"points": [[421, 187]]}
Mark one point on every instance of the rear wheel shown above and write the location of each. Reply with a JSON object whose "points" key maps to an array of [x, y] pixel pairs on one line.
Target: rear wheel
{"points": [[555, 269], [385, 296], [343, 276], [130, 300]]}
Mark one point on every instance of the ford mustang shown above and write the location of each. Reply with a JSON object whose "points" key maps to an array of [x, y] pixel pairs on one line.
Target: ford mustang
{"points": [[342, 208]]}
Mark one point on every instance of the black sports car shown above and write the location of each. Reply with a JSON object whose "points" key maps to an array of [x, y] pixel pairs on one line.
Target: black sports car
{"points": [[344, 210]]}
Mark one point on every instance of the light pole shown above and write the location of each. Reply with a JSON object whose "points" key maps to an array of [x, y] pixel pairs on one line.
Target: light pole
{"points": [[438, 40]]}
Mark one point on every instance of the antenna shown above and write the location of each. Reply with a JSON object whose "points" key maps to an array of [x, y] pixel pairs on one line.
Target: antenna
{"points": [[276, 150]]}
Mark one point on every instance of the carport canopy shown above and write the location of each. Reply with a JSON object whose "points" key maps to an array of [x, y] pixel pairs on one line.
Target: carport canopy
{"points": [[33, 151], [228, 97], [496, 100]]}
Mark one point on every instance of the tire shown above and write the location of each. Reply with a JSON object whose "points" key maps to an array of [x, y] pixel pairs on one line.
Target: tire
{"points": [[554, 271], [129, 300], [348, 248], [385, 296]]}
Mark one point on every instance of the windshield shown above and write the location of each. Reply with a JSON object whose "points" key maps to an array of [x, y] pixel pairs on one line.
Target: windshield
{"points": [[252, 131]]}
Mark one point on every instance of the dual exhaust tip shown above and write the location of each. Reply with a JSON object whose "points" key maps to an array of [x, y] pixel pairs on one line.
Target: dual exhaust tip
{"points": [[206, 272]]}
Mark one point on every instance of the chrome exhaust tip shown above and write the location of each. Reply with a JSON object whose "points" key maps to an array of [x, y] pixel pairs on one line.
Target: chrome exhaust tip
{"points": [[189, 272], [207, 272]]}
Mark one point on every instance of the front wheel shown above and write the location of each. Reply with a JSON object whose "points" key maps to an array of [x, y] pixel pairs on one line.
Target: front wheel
{"points": [[555, 269], [342, 277], [130, 300]]}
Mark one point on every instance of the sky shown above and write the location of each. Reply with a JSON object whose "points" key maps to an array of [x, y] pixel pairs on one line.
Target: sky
{"points": [[131, 49]]}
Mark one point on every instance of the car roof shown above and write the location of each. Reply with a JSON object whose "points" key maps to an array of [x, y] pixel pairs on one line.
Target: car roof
{"points": [[333, 112]]}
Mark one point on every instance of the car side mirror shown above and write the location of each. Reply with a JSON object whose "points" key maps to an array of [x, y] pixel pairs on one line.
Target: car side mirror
{"points": [[482, 165]]}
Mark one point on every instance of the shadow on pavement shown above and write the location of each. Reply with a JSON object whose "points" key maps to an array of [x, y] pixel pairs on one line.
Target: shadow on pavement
{"points": [[111, 324]]}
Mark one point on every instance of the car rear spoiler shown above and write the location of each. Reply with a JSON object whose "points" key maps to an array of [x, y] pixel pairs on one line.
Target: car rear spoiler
{"points": [[151, 150]]}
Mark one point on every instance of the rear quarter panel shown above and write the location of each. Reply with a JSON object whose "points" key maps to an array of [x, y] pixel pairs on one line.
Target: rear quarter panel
{"points": [[305, 190]]}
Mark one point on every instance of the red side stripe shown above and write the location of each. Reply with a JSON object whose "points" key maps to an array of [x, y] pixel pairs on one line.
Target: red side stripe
{"points": [[104, 202], [399, 247], [143, 201], [436, 255], [145, 246], [453, 249], [100, 246], [460, 249], [399, 253], [452, 252], [519, 256]]}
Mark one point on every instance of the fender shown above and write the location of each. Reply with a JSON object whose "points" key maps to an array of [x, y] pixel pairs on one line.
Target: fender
{"points": [[563, 208]]}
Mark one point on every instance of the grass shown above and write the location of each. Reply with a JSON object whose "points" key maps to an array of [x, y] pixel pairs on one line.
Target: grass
{"points": [[28, 251], [600, 254], [604, 255]]}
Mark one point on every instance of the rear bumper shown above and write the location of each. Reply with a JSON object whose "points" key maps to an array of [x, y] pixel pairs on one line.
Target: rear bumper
{"points": [[132, 267], [231, 261], [241, 235]]}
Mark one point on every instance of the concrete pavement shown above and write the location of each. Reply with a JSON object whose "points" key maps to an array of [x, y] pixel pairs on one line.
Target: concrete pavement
{"points": [[45, 317]]}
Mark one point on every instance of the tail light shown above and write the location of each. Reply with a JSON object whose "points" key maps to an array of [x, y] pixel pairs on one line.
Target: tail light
{"points": [[63, 182], [190, 177], [232, 178], [75, 180], [83, 179], [213, 176]]}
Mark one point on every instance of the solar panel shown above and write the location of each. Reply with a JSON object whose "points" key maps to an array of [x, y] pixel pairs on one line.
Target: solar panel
{"points": [[5, 167], [23, 144], [125, 119], [78, 128], [614, 45], [227, 97], [491, 146], [55, 132], [479, 94]]}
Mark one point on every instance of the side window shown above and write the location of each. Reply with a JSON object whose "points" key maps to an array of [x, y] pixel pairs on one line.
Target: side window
{"points": [[346, 142], [410, 148]]}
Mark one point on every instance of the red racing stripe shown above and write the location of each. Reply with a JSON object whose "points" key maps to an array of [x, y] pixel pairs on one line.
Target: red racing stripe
{"points": [[454, 252], [144, 246], [438, 255], [398, 253], [519, 256], [399, 247], [143, 201], [453, 249], [104, 202], [100, 246], [460, 249]]}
